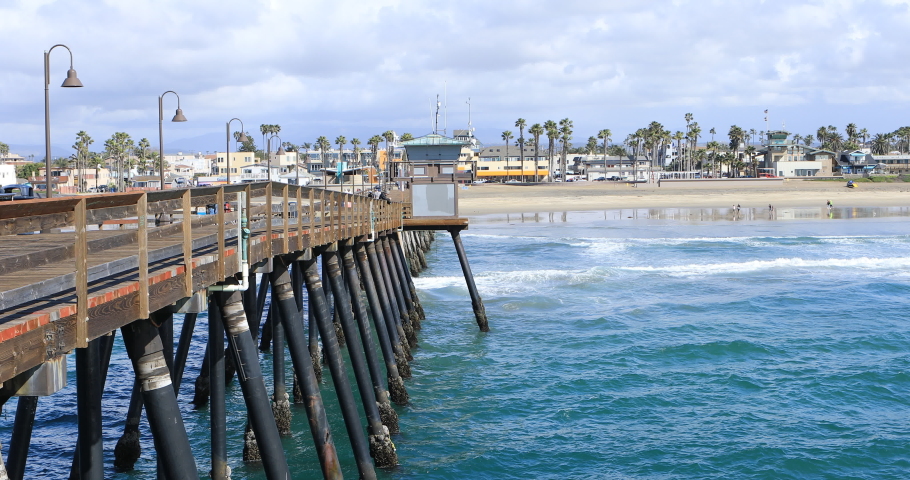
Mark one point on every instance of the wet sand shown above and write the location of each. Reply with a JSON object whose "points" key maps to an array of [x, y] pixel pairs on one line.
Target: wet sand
{"points": [[499, 198]]}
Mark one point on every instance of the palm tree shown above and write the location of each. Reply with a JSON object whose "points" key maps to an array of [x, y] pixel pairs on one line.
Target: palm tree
{"points": [[605, 135], [406, 137], [506, 136], [678, 136], [565, 135], [865, 134], [851, 132], [389, 136], [736, 135], [322, 144], [880, 144], [355, 142], [688, 118], [374, 142], [520, 124], [306, 146], [552, 135], [536, 131], [340, 141], [694, 133], [83, 140]]}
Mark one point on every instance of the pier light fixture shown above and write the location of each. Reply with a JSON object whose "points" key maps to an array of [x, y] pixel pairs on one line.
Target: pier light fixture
{"points": [[227, 150], [280, 151], [178, 117], [71, 81]]}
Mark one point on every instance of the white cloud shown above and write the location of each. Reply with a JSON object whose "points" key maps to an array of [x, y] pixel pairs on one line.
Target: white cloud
{"points": [[357, 68]]}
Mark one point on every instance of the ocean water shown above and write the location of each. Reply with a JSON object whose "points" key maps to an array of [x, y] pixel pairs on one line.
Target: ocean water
{"points": [[625, 344]]}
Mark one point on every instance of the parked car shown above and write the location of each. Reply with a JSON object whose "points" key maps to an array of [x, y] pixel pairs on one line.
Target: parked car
{"points": [[614, 178], [600, 179]]}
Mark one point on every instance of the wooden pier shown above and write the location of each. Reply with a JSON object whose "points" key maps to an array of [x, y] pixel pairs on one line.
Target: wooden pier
{"points": [[74, 270]]}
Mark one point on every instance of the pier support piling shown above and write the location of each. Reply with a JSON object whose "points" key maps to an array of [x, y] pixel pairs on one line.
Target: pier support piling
{"points": [[249, 373], [217, 406], [22, 437], [480, 312], [388, 265], [145, 349], [387, 414], [397, 391], [88, 404], [281, 405], [336, 366], [390, 313], [293, 326]]}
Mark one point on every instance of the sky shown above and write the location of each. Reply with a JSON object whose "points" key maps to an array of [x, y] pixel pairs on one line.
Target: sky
{"points": [[359, 68]]}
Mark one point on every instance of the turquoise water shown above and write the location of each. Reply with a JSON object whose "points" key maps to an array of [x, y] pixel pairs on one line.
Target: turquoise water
{"points": [[668, 345]]}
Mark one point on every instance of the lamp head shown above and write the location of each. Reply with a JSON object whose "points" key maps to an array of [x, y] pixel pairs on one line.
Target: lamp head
{"points": [[178, 117], [71, 79], [243, 138]]}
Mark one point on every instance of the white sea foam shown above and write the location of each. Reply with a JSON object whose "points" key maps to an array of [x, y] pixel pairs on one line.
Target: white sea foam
{"points": [[508, 283], [853, 264]]}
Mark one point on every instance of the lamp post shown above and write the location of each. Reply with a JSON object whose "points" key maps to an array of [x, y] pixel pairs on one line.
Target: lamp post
{"points": [[71, 81], [227, 150], [269, 153], [178, 117]]}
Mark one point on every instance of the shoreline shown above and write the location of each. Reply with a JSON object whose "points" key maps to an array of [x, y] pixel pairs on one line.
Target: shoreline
{"points": [[505, 199]]}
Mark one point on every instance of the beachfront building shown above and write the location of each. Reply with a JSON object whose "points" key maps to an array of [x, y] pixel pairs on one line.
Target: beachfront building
{"points": [[783, 157], [435, 158], [857, 162], [189, 164], [894, 163], [238, 161], [626, 167], [499, 164]]}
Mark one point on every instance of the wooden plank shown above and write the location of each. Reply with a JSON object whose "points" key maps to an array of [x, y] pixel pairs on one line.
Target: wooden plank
{"points": [[435, 223], [221, 235], [81, 253], [39, 206], [285, 217], [268, 220], [142, 214], [299, 218], [187, 228], [34, 223]]}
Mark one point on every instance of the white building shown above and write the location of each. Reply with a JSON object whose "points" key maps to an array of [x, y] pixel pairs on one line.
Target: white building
{"points": [[7, 175]]}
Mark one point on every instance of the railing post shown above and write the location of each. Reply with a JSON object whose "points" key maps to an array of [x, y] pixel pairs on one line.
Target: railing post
{"points": [[299, 218], [219, 219], [187, 243], [285, 217], [322, 223], [81, 275], [268, 220], [142, 222], [312, 215]]}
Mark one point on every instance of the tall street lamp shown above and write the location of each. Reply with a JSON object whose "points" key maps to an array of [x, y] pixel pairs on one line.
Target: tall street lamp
{"points": [[269, 153], [227, 152], [178, 117], [71, 81]]}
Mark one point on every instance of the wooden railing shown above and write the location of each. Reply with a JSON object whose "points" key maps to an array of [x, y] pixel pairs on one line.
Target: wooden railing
{"points": [[283, 219]]}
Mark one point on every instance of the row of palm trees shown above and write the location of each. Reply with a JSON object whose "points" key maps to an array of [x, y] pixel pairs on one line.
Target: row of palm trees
{"points": [[555, 132]]}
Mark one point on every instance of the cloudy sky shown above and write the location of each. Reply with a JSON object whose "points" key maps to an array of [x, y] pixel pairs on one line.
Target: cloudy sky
{"points": [[358, 68]]}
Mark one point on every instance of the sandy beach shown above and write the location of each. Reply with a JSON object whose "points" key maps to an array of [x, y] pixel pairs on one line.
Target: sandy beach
{"points": [[558, 197]]}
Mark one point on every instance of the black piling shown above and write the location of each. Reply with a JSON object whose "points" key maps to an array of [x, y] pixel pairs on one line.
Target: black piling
{"points": [[330, 300], [183, 349], [217, 408], [281, 405], [387, 414], [397, 391], [145, 349], [128, 448], [260, 307], [385, 258], [106, 347], [381, 448], [293, 326], [249, 373], [201, 386], [297, 286], [390, 314], [480, 312], [89, 386], [336, 366], [22, 437], [403, 282], [398, 249]]}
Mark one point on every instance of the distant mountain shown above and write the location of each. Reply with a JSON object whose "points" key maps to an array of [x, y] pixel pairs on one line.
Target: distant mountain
{"points": [[209, 142], [38, 150]]}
